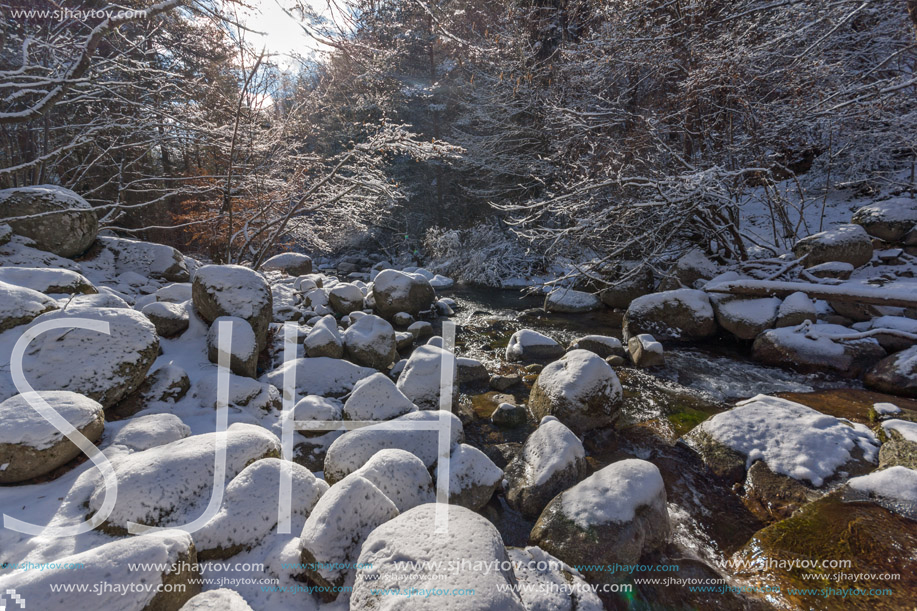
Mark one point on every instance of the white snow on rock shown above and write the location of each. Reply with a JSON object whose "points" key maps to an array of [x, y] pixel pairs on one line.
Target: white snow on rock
{"points": [[320, 376], [346, 298], [19, 305], [551, 449], [907, 428], [549, 584], [420, 381], [793, 439], [222, 599], [340, 522], [568, 300], [795, 309], [324, 339], [24, 426], [376, 398], [353, 449], [746, 318], [401, 476], [679, 314], [407, 552], [145, 432], [884, 409], [581, 389], [370, 342], [441, 282], [243, 345], [896, 483], [177, 292], [292, 263], [244, 392], [613, 494], [473, 477], [46, 280], [233, 290], [146, 259], [160, 486], [250, 508], [21, 252], [106, 564], [527, 344]]}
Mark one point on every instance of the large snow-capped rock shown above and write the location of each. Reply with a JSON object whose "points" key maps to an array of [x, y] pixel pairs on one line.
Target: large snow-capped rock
{"points": [[222, 599], [888, 220], [395, 291], [324, 339], [552, 460], [371, 342], [163, 485], [376, 398], [603, 345], [345, 298], [580, 389], [233, 290], [528, 345], [547, 583], [242, 349], [473, 477], [570, 301], [250, 508], [613, 516], [31, 446], [745, 318], [320, 376], [170, 319], [408, 551], [132, 561], [813, 348], [106, 368], [341, 520], [892, 342], [60, 222], [420, 381], [645, 351], [290, 263], [792, 439], [682, 314], [48, 281], [245, 394], [847, 244], [401, 476], [353, 449], [895, 374], [146, 259], [19, 305], [145, 432], [795, 309]]}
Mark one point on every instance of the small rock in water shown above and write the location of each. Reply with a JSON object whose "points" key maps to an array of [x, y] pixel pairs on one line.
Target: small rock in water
{"points": [[602, 345], [645, 351], [528, 345], [509, 415], [616, 361], [501, 383]]}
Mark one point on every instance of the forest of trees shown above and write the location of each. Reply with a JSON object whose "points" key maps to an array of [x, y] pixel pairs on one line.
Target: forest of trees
{"points": [[520, 130]]}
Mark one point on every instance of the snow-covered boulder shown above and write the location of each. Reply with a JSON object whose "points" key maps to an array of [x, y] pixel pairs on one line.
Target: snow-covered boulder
{"points": [[146, 259], [222, 599], [847, 243], [163, 486], [403, 340], [792, 439], [888, 220], [286, 304], [376, 398], [441, 282], [371, 342], [509, 415], [552, 460], [19, 305], [316, 300], [233, 290], [353, 449], [60, 222], [832, 269], [31, 446], [570, 301], [345, 298], [470, 371], [48, 281], [243, 349], [689, 271], [624, 290], [324, 339], [682, 314], [473, 477], [580, 389], [320, 376], [645, 351], [895, 374], [335, 530], [103, 367], [528, 345], [290, 263], [163, 563], [409, 551], [421, 378], [145, 432], [813, 348], [245, 394], [550, 584], [314, 408], [896, 484], [177, 292], [603, 345], [250, 505], [170, 319], [395, 291], [745, 318], [614, 516], [401, 476], [420, 329], [892, 342], [794, 310], [402, 319]]}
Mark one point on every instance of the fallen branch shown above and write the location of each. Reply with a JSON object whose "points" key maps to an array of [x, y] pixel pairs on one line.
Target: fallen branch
{"points": [[839, 293]]}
